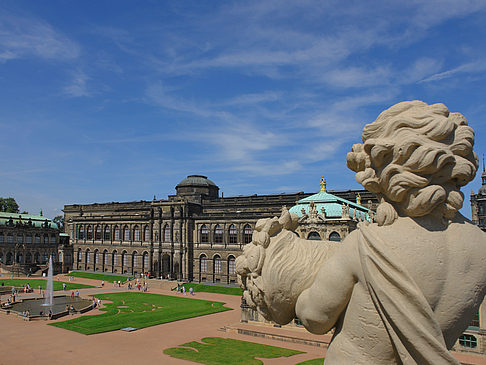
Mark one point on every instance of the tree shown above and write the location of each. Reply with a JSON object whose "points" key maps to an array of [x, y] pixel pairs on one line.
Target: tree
{"points": [[9, 205], [59, 220]]}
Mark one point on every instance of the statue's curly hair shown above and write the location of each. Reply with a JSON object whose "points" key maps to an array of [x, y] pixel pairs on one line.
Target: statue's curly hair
{"points": [[415, 157]]}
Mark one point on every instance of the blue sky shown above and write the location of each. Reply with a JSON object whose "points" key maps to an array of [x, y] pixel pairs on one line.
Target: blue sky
{"points": [[119, 101]]}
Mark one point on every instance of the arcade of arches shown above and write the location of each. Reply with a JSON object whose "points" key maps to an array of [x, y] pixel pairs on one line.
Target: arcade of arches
{"points": [[194, 235]]}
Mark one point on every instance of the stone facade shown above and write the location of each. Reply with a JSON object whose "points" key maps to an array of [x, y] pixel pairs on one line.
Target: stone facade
{"points": [[194, 235], [474, 339], [27, 241]]}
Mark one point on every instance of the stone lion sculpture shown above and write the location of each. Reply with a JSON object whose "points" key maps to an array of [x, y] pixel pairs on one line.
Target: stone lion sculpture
{"points": [[397, 291]]}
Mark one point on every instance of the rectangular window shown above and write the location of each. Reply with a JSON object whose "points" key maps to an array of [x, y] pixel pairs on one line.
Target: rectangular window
{"points": [[28, 239], [1, 238], [20, 239], [107, 234], [9, 238], [475, 322]]}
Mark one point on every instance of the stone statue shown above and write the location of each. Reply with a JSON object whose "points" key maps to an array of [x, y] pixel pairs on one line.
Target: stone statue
{"points": [[398, 291]]}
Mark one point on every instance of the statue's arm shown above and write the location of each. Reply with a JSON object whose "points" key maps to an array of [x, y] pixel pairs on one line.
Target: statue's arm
{"points": [[320, 306]]}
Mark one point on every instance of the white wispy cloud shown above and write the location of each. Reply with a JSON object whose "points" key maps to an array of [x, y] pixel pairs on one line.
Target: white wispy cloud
{"points": [[466, 68], [78, 86], [22, 37]]}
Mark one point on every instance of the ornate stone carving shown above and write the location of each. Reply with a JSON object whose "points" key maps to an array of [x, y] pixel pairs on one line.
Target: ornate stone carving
{"points": [[400, 290]]}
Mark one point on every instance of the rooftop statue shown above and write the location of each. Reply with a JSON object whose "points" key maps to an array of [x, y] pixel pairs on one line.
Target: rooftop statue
{"points": [[397, 291]]}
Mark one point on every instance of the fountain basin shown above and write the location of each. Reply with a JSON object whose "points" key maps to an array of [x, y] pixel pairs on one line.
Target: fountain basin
{"points": [[61, 305]]}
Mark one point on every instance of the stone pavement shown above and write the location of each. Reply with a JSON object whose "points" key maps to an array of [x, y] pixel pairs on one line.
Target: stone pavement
{"points": [[35, 342]]}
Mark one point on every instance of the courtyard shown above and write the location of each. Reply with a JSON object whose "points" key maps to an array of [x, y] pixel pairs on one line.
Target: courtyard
{"points": [[37, 342]]}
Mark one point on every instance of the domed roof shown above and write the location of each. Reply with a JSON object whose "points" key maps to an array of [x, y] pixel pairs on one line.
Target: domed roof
{"points": [[482, 189], [196, 180], [332, 204]]}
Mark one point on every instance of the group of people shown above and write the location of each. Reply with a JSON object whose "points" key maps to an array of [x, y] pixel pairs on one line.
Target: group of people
{"points": [[182, 289]]}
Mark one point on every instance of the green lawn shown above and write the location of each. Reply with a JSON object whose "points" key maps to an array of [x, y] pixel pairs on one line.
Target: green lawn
{"points": [[318, 361], [34, 284], [94, 276], [140, 310], [224, 351], [213, 289]]}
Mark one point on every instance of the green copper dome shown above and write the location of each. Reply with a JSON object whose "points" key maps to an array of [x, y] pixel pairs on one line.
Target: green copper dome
{"points": [[333, 206], [36, 220]]}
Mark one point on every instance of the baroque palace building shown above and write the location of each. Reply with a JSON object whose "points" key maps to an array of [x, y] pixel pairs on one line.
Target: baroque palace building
{"points": [[27, 241], [474, 338], [196, 234]]}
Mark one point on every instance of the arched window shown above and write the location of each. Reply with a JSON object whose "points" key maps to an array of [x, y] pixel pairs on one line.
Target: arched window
{"points": [[203, 263], [247, 233], [28, 258], [107, 234], [218, 234], [204, 234], [136, 233], [105, 257], [146, 234], [117, 234], [468, 341], [114, 258], [126, 234], [166, 233], [232, 234], [145, 261], [96, 258], [8, 259], [80, 233], [124, 259], [334, 236], [134, 259], [231, 265], [87, 256], [98, 232], [314, 236], [79, 255], [217, 264], [89, 233]]}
